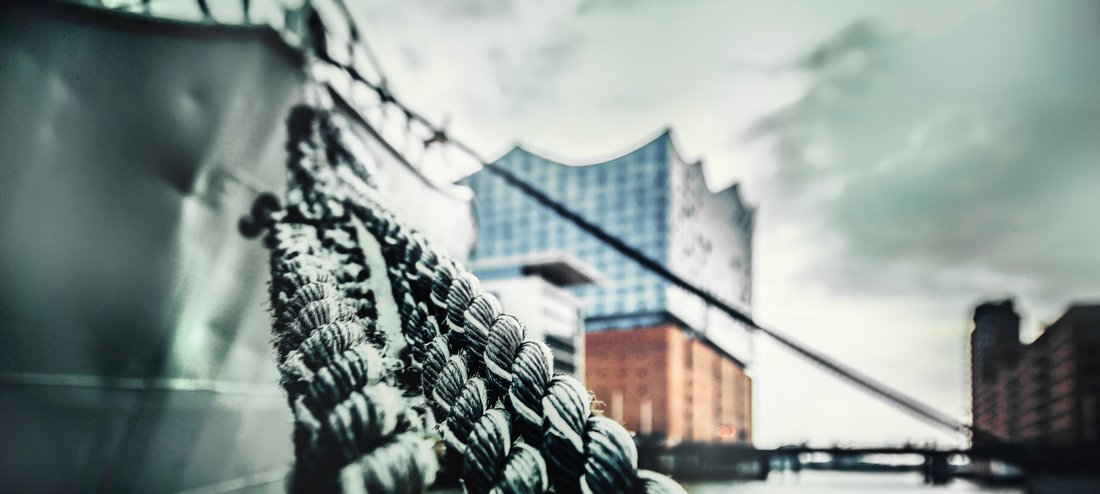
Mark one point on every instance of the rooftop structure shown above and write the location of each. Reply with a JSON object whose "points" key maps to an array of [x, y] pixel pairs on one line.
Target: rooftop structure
{"points": [[531, 288]]}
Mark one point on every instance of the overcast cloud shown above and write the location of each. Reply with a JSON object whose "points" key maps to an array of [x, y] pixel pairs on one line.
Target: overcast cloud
{"points": [[908, 159]]}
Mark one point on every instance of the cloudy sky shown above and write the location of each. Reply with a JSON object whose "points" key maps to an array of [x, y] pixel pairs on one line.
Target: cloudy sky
{"points": [[908, 159]]}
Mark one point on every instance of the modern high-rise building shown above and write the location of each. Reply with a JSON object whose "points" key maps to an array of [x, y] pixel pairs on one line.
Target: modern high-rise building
{"points": [[1045, 392], [655, 201], [994, 347]]}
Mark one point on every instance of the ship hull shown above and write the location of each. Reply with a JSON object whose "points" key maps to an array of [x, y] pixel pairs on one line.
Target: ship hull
{"points": [[134, 352]]}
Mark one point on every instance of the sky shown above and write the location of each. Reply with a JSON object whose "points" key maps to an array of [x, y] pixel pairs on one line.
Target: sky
{"points": [[909, 160]]}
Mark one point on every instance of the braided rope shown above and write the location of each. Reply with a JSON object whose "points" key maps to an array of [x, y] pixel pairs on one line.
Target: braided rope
{"points": [[480, 367], [354, 431], [508, 422]]}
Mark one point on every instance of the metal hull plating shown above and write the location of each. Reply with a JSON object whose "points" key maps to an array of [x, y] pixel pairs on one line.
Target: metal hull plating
{"points": [[134, 324]]}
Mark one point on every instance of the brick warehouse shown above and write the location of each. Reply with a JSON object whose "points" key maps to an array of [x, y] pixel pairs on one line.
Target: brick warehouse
{"points": [[1045, 392], [659, 379]]}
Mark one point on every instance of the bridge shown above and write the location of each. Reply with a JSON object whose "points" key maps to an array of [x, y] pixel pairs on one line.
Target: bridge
{"points": [[708, 461]]}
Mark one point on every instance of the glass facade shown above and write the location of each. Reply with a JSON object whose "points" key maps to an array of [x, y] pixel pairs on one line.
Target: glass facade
{"points": [[632, 197]]}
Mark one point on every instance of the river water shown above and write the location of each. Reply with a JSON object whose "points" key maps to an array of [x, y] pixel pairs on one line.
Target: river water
{"points": [[818, 482]]}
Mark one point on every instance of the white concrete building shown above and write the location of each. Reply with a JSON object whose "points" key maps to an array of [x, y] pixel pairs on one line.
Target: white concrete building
{"points": [[532, 288]]}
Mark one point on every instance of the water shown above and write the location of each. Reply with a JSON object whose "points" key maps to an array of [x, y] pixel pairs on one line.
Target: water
{"points": [[817, 482]]}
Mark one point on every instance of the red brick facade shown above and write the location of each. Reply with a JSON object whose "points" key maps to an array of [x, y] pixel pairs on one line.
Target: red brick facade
{"points": [[662, 381], [1044, 392]]}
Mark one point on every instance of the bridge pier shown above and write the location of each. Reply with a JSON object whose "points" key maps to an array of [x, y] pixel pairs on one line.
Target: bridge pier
{"points": [[936, 470], [783, 462]]}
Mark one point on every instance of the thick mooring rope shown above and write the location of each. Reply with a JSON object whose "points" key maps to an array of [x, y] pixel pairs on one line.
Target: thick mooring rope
{"points": [[467, 371], [353, 428]]}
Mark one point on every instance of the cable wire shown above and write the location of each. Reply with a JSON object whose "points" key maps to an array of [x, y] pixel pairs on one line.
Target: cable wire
{"points": [[863, 381]]}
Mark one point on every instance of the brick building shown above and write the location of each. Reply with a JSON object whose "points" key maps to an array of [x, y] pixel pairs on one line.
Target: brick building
{"points": [[1043, 392], [661, 380]]}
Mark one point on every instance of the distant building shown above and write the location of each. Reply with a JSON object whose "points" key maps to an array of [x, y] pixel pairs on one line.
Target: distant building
{"points": [[1046, 392], [994, 346], [531, 288], [656, 202]]}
